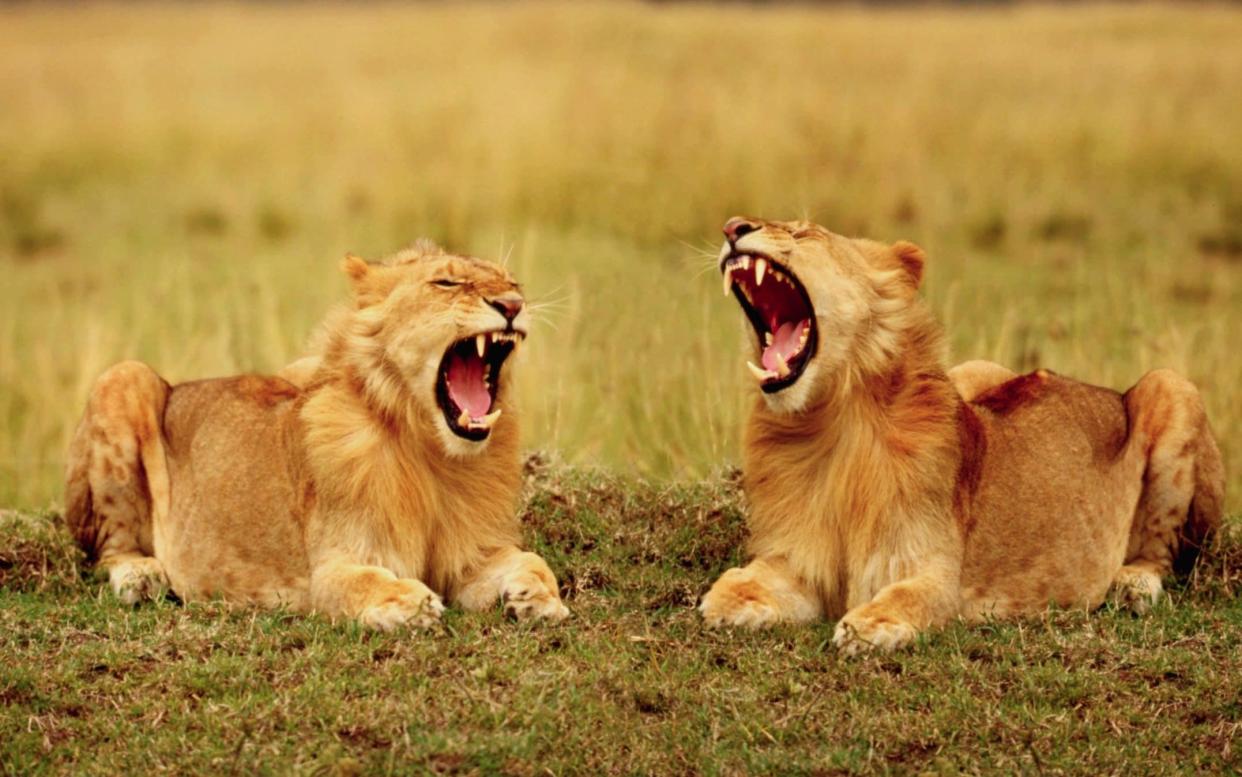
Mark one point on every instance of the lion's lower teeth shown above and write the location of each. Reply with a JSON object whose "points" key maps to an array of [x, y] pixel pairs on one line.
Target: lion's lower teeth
{"points": [[782, 368], [760, 373], [487, 421]]}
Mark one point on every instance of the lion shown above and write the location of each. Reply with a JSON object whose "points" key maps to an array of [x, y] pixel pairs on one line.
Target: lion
{"points": [[894, 495], [376, 485]]}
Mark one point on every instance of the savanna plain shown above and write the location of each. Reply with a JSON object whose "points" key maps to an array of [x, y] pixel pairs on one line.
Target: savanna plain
{"points": [[178, 183]]}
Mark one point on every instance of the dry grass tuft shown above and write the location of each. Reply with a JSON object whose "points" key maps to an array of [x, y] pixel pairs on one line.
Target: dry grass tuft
{"points": [[37, 554]]}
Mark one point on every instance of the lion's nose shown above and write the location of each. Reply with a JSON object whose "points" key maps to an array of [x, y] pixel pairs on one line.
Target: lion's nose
{"points": [[738, 226], [509, 305]]}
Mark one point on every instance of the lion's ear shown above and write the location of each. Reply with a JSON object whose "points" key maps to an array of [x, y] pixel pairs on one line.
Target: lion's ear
{"points": [[912, 259], [355, 267], [364, 278]]}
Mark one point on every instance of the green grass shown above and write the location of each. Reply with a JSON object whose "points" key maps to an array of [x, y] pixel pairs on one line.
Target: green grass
{"points": [[631, 684]]}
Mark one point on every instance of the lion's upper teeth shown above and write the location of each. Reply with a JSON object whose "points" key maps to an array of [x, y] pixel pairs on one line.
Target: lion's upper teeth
{"points": [[480, 344], [760, 266], [728, 280]]}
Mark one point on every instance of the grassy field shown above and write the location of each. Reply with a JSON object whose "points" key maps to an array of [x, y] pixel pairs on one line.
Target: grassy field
{"points": [[177, 184], [631, 684]]}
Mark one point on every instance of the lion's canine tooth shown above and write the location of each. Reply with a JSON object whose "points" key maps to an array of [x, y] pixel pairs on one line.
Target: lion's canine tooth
{"points": [[760, 266], [463, 420], [480, 344], [728, 280], [782, 368], [488, 420], [767, 338], [759, 373]]}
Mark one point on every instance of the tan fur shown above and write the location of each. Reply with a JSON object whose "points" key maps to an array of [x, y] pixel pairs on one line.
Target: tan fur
{"points": [[893, 496], [342, 491]]}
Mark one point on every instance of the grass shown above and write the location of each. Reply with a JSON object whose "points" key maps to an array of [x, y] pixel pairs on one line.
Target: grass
{"points": [[177, 183], [631, 684]]}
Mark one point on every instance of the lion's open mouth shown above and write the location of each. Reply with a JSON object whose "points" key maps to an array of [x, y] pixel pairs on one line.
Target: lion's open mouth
{"points": [[469, 379], [781, 313]]}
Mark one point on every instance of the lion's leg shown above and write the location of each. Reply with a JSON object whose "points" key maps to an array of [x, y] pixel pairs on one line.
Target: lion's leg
{"points": [[900, 611], [764, 592], [116, 476], [300, 372], [1183, 485], [972, 378], [522, 580], [373, 595]]}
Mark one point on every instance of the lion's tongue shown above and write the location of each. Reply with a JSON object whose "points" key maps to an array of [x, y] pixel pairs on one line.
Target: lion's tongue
{"points": [[785, 341], [466, 387]]}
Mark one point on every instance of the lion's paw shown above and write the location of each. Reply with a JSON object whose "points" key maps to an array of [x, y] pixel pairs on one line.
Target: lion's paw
{"points": [[1137, 589], [736, 600], [527, 597], [418, 606], [858, 633], [138, 579]]}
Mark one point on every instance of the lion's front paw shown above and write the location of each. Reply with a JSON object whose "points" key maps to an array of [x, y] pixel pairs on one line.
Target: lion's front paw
{"points": [[1137, 589], [858, 633], [737, 600], [138, 579], [416, 605], [527, 597]]}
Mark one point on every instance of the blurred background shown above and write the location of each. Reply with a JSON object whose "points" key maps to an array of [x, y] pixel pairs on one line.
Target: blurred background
{"points": [[178, 183]]}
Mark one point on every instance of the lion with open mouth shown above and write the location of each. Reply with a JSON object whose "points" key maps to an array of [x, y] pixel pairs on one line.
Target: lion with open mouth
{"points": [[894, 495], [377, 481]]}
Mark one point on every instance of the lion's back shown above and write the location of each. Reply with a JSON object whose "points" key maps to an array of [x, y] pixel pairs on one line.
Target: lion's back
{"points": [[239, 494], [1055, 497]]}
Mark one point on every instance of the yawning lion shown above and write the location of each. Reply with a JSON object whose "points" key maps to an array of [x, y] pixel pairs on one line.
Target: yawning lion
{"points": [[384, 479], [894, 495]]}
